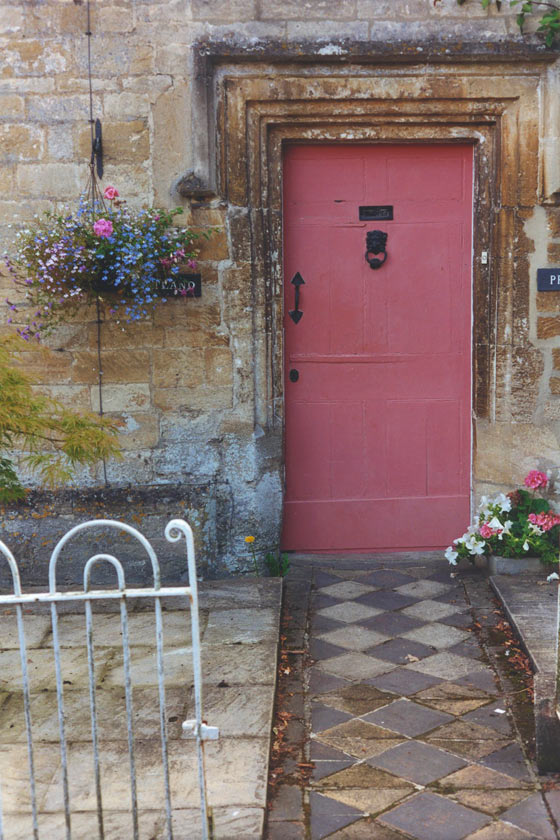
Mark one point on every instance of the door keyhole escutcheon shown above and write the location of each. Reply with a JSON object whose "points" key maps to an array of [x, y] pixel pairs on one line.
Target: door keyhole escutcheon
{"points": [[294, 375]]}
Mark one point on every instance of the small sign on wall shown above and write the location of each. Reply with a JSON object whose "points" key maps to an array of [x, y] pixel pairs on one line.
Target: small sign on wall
{"points": [[184, 285], [548, 279]]}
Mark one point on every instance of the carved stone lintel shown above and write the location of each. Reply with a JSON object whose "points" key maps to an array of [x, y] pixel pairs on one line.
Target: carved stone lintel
{"points": [[192, 185]]}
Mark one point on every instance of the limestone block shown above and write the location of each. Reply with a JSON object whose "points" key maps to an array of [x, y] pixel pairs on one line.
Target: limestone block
{"points": [[140, 431], [51, 109], [172, 125], [187, 337], [126, 105], [323, 29], [379, 9], [131, 179], [138, 334], [193, 399], [12, 105], [554, 252], [178, 368], [12, 20], [548, 301], [218, 366], [59, 143], [554, 384], [548, 327], [132, 366], [111, 19], [308, 10], [122, 141], [72, 396], [223, 11], [119, 57], [20, 142], [46, 367], [52, 180], [505, 452], [450, 8], [553, 219], [121, 398], [215, 248]]}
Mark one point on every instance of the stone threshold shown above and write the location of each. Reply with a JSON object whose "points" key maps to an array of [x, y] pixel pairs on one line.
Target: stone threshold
{"points": [[533, 612]]}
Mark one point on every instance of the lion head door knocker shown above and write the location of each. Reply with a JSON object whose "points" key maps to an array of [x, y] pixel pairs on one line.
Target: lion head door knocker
{"points": [[376, 243]]}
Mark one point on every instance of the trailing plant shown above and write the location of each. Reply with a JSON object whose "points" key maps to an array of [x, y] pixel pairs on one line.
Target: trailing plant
{"points": [[99, 251], [56, 439], [519, 524], [549, 19]]}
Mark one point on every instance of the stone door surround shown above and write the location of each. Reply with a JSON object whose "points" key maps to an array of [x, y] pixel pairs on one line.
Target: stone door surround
{"points": [[256, 100]]}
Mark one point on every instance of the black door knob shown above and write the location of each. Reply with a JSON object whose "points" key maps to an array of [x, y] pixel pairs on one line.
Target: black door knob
{"points": [[294, 375]]}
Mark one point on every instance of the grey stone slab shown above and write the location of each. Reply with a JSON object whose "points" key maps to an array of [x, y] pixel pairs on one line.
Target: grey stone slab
{"points": [[509, 760], [324, 717], [431, 817], [233, 627], [458, 619], [240, 593], [436, 635], [407, 718], [320, 601], [321, 624], [470, 647], [349, 612], [483, 679], [321, 649], [321, 579], [328, 815], [386, 600], [354, 637], [405, 682], [447, 666], [429, 610], [423, 589], [418, 762], [320, 682], [392, 623], [494, 715], [323, 769], [346, 590], [387, 579], [401, 651], [286, 803], [531, 815], [323, 752], [37, 630], [355, 666]]}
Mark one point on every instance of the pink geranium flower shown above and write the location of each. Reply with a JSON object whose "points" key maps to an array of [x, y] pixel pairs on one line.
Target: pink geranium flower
{"points": [[544, 521], [111, 193], [535, 479], [103, 227], [486, 531]]}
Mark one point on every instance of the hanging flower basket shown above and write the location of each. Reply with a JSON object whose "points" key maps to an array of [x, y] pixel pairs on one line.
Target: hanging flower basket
{"points": [[108, 252], [512, 533]]}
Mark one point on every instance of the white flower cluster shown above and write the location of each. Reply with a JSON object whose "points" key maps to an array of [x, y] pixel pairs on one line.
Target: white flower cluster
{"points": [[472, 539]]}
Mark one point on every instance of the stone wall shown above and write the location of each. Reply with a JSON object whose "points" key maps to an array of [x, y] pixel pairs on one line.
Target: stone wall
{"points": [[186, 383]]}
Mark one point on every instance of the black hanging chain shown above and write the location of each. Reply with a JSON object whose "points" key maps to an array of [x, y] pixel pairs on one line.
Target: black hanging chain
{"points": [[94, 198]]}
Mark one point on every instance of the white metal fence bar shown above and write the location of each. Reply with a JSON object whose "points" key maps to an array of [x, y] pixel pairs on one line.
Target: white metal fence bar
{"points": [[175, 530]]}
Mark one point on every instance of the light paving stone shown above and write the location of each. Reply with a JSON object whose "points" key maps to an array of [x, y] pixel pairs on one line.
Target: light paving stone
{"points": [[355, 666], [346, 590], [501, 831], [357, 699], [359, 739], [447, 666], [107, 630], [424, 589], [40, 666], [244, 626], [491, 802], [369, 801], [36, 628], [349, 612], [437, 635], [430, 610], [354, 638], [14, 772]]}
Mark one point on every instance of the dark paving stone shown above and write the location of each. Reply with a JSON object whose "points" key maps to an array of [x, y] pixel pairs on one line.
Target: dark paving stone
{"points": [[322, 752], [328, 815], [442, 575], [404, 682], [408, 718], [322, 624], [462, 620], [553, 800], [323, 717], [319, 649], [286, 831], [418, 762], [532, 816], [357, 699], [392, 623], [431, 817], [386, 600], [387, 579], [470, 648], [400, 651], [454, 596], [286, 803], [488, 716], [321, 682], [323, 769], [480, 679], [319, 601], [509, 760], [321, 579]]}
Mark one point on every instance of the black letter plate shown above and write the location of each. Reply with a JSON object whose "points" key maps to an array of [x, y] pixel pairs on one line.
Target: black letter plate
{"points": [[378, 213], [548, 279], [183, 285]]}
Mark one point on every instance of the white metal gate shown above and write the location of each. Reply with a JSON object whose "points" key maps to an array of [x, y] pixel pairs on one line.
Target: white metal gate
{"points": [[176, 530]]}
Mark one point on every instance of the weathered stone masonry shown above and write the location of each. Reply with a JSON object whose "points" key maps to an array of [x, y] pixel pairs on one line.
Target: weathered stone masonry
{"points": [[197, 99]]}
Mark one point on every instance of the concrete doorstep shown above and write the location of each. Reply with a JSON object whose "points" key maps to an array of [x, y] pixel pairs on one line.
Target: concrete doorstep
{"points": [[239, 621]]}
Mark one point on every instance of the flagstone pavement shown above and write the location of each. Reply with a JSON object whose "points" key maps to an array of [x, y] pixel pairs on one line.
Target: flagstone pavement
{"points": [[408, 730]]}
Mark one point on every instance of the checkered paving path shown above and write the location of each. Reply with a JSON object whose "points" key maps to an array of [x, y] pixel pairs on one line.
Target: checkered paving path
{"points": [[409, 736]]}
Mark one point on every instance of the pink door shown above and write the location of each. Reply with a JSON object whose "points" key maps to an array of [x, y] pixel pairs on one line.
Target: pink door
{"points": [[378, 366]]}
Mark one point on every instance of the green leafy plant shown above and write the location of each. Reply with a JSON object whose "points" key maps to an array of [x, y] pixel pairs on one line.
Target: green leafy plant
{"points": [[549, 21], [519, 524], [55, 439], [278, 564]]}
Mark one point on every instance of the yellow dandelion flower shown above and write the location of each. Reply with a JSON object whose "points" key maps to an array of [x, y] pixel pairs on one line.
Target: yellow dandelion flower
{"points": [[249, 539]]}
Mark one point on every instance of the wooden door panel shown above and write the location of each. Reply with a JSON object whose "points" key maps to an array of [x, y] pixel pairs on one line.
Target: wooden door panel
{"points": [[377, 436]]}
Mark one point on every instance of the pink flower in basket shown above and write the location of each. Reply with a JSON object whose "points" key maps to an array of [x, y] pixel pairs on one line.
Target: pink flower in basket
{"points": [[536, 479], [103, 228], [111, 193]]}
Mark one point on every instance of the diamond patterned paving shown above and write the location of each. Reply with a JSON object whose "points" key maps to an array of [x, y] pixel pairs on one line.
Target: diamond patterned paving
{"points": [[405, 700]]}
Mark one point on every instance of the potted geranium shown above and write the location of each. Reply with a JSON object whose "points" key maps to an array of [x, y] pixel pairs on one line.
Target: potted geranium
{"points": [[105, 251], [512, 532]]}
